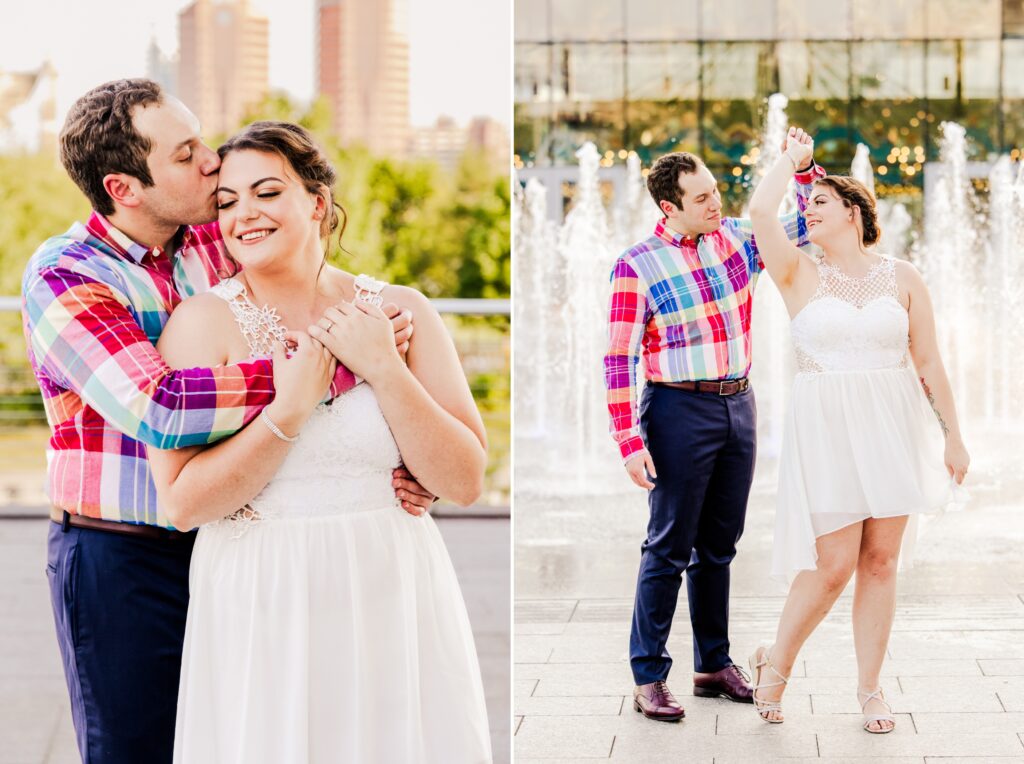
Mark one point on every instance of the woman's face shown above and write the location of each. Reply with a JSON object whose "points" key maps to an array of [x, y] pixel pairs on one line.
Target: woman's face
{"points": [[266, 214], [826, 215]]}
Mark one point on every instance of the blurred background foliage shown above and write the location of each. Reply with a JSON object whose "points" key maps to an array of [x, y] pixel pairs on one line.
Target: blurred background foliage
{"points": [[413, 222]]}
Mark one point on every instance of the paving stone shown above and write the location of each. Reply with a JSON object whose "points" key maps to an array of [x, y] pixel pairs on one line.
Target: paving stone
{"points": [[975, 723], [583, 737], [902, 667], [523, 688], [605, 705], [991, 667], [858, 743], [957, 644]]}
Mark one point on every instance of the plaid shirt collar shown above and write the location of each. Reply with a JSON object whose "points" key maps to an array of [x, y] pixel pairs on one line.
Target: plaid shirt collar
{"points": [[122, 244], [670, 236]]}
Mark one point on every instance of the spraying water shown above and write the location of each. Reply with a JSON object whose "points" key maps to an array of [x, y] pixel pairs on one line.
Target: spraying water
{"points": [[975, 275]]}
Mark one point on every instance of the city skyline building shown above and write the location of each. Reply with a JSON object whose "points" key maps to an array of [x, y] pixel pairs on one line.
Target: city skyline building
{"points": [[363, 71], [223, 62]]}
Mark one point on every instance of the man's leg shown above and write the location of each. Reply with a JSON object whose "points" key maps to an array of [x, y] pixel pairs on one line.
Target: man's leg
{"points": [[119, 605], [720, 527], [683, 431]]}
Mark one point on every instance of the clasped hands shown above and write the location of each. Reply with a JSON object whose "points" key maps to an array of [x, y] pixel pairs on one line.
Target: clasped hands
{"points": [[799, 147], [369, 341]]}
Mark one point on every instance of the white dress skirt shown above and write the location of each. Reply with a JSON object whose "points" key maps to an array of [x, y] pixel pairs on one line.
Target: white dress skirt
{"points": [[861, 440], [325, 623]]}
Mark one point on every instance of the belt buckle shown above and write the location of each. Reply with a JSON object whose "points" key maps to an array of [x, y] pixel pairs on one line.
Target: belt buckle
{"points": [[721, 387]]}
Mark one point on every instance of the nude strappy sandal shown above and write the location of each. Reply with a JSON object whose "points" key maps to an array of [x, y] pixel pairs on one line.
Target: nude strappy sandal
{"points": [[758, 661], [868, 696]]}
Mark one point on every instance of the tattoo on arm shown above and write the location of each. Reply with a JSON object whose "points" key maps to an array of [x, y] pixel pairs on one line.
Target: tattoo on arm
{"points": [[931, 400]]}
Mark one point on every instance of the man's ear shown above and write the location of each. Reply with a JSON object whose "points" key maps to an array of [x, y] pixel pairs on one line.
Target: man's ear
{"points": [[121, 188], [667, 207]]}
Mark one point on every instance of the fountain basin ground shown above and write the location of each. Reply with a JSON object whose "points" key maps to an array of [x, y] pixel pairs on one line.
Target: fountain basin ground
{"points": [[956, 657]]}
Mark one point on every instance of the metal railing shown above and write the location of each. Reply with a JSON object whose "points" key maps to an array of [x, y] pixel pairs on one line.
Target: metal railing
{"points": [[459, 306]]}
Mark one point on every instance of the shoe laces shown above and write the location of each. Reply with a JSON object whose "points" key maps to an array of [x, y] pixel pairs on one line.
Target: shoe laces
{"points": [[740, 673], [661, 688]]}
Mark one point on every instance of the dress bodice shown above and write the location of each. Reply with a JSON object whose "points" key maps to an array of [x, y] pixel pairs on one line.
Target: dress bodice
{"points": [[345, 454], [852, 324]]}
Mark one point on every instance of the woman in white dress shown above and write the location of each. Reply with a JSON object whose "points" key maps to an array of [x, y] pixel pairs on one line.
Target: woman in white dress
{"points": [[862, 453], [325, 623]]}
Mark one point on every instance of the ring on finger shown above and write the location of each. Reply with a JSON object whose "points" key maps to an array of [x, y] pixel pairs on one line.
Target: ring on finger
{"points": [[330, 325]]}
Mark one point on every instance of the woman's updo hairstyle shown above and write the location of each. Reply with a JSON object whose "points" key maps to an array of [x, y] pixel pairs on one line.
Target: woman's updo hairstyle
{"points": [[295, 144], [853, 193]]}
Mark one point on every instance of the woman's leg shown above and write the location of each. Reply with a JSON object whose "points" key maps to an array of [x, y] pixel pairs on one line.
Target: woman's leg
{"points": [[874, 602], [810, 598]]}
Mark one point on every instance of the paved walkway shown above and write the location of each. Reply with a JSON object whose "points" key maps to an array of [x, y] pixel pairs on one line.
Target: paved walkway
{"points": [[35, 722], [955, 672]]}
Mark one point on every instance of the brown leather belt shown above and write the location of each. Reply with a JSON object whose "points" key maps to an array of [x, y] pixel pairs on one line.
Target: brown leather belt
{"points": [[716, 386], [66, 519]]}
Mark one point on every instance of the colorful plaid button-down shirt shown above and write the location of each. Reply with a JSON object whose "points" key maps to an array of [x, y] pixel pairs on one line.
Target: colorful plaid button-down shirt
{"points": [[94, 305], [686, 305]]}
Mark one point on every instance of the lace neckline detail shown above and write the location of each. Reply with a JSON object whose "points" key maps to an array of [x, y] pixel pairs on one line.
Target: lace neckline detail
{"points": [[261, 327], [878, 282]]}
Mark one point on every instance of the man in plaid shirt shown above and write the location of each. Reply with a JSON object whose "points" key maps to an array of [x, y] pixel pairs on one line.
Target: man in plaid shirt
{"points": [[95, 301], [682, 299]]}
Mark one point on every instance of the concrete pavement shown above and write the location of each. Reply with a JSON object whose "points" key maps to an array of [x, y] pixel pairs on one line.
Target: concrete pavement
{"points": [[35, 721], [955, 672]]}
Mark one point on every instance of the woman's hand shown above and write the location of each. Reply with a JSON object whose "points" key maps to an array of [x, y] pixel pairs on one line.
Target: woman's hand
{"points": [[361, 337], [957, 459], [301, 380], [799, 147]]}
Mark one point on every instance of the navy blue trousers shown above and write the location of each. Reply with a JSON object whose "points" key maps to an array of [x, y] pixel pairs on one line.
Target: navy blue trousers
{"points": [[703, 447], [120, 603]]}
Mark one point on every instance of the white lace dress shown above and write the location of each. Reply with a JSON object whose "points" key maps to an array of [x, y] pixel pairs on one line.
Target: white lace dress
{"points": [[861, 439], [325, 623]]}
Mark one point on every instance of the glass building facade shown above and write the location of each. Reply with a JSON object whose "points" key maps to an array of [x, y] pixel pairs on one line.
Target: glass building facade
{"points": [[694, 75]]}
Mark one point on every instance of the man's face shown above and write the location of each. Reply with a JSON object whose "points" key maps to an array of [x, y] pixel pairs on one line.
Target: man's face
{"points": [[702, 205], [184, 169]]}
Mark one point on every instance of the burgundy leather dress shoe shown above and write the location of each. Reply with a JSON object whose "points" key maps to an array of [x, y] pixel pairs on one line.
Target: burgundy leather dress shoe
{"points": [[655, 701], [731, 682]]}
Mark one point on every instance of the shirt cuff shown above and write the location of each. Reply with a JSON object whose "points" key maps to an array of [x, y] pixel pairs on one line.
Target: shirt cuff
{"points": [[631, 446], [809, 175]]}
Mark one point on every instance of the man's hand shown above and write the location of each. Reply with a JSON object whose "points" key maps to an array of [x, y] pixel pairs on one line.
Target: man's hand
{"points": [[401, 321], [639, 466], [416, 499]]}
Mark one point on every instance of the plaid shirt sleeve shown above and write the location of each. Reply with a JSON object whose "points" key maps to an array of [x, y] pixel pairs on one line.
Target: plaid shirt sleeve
{"points": [[84, 338], [796, 227], [627, 314]]}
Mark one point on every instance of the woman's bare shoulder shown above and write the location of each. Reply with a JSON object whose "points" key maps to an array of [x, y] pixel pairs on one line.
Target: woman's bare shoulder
{"points": [[198, 332]]}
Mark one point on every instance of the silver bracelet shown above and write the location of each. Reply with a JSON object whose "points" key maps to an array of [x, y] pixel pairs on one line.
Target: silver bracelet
{"points": [[275, 429]]}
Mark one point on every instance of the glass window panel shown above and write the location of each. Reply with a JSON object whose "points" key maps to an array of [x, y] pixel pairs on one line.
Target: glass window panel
{"points": [[1013, 97], [662, 88], [963, 87], [587, 98], [889, 19], [587, 20], [815, 77], [533, 96], [531, 21], [738, 77], [657, 20], [737, 20], [814, 20], [1013, 66], [1013, 18], [959, 19], [662, 71], [888, 113], [731, 69]]}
